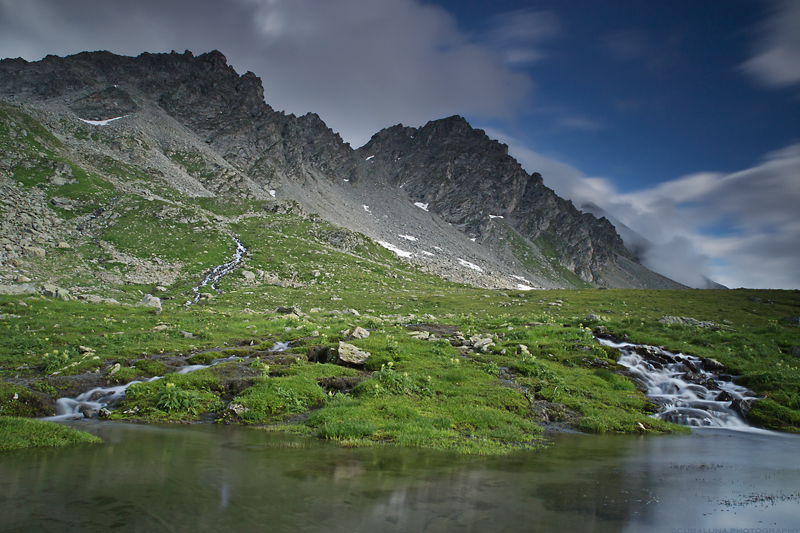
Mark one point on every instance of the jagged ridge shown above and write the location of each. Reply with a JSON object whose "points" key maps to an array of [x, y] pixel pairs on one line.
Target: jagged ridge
{"points": [[239, 145]]}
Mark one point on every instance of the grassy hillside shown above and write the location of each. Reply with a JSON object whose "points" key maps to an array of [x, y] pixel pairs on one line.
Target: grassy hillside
{"points": [[450, 366]]}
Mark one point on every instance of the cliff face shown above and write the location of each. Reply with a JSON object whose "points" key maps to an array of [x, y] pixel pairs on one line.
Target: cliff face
{"points": [[214, 131]]}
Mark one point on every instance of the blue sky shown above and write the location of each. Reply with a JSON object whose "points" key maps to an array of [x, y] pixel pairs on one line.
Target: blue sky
{"points": [[681, 118]]}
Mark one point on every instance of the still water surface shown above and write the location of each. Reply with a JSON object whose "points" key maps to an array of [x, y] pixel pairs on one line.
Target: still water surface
{"points": [[211, 478]]}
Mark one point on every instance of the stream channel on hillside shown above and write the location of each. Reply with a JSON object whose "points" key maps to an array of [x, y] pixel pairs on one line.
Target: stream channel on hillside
{"points": [[207, 477]]}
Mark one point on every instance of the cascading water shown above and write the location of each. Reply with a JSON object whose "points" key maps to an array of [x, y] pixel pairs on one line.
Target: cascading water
{"points": [[218, 271], [91, 402], [689, 393]]}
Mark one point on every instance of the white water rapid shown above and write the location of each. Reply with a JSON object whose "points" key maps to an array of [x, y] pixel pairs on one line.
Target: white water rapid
{"points": [[218, 271], [689, 393], [91, 402]]}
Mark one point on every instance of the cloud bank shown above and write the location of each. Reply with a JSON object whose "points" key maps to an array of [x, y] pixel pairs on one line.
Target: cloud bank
{"points": [[362, 65], [740, 229]]}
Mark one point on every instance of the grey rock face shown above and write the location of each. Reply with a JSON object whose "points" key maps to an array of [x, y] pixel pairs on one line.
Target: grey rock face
{"points": [[226, 141]]}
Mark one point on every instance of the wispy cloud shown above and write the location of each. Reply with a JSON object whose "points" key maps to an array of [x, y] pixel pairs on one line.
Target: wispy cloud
{"points": [[519, 35], [776, 62], [580, 123], [754, 240], [362, 65]]}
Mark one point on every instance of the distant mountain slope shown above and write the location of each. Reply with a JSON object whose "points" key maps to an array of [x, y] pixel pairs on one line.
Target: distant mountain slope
{"points": [[193, 125], [639, 246]]}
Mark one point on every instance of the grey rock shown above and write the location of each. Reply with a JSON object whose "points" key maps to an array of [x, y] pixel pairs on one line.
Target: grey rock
{"points": [[25, 288], [360, 333], [33, 251], [52, 291], [148, 300], [351, 354]]}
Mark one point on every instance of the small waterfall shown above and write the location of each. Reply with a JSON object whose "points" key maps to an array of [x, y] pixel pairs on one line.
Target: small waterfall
{"points": [[214, 275], [90, 403], [686, 387]]}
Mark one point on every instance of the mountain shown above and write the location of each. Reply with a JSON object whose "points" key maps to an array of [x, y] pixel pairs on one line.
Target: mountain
{"points": [[184, 130]]}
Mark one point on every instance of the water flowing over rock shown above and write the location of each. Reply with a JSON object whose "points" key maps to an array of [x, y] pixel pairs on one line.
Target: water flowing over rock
{"points": [[685, 388], [217, 272]]}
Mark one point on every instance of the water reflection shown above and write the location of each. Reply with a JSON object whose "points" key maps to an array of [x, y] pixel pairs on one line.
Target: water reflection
{"points": [[208, 478]]}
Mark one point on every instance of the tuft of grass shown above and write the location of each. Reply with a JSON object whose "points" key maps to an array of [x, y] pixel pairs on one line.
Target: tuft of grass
{"points": [[18, 433]]}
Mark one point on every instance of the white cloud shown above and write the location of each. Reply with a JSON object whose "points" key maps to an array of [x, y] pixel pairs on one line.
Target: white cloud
{"points": [[776, 62], [362, 65], [740, 229]]}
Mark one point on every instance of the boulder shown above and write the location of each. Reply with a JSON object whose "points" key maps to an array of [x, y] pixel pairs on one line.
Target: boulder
{"points": [[148, 300], [743, 406], [248, 275], [51, 291], [351, 354], [33, 251], [281, 310], [712, 365], [360, 333]]}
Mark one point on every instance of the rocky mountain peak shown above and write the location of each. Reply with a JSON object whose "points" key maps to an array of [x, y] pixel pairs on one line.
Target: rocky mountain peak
{"points": [[225, 137]]}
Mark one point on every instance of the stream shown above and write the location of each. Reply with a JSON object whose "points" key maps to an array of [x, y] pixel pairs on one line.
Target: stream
{"points": [[687, 388], [94, 400], [724, 476], [214, 275]]}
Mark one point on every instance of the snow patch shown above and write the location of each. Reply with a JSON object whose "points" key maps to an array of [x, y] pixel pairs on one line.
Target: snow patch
{"points": [[346, 180], [272, 192], [408, 237], [495, 216], [438, 248], [422, 206], [370, 157], [427, 253], [366, 208], [472, 239], [467, 264], [395, 249], [524, 285], [101, 122]]}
